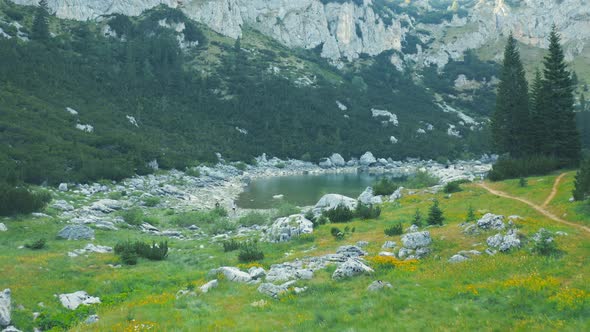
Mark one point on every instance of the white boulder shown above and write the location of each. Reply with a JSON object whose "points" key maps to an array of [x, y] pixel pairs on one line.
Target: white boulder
{"points": [[3, 227], [208, 286], [367, 159], [234, 274], [5, 307], [283, 229], [337, 160], [73, 300], [332, 201], [491, 221], [352, 267], [416, 240], [63, 187]]}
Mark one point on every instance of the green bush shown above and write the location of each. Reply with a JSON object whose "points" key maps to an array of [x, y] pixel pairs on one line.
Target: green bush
{"points": [[133, 216], [435, 215], [337, 233], [395, 229], [151, 201], [250, 252], [240, 166], [522, 182], [385, 186], [545, 245], [417, 220], [191, 171], [129, 251], [14, 200], [507, 168], [253, 218], [369, 211], [36, 245], [231, 245], [470, 215], [453, 187], [421, 180], [339, 214], [321, 220]]}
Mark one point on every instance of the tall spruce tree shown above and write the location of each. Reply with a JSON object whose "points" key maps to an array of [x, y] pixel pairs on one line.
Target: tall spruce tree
{"points": [[582, 184], [559, 100], [510, 121], [540, 133], [40, 29]]}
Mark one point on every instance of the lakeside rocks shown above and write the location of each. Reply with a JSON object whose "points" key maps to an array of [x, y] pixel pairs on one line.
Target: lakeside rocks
{"points": [[76, 232], [367, 159], [283, 229], [73, 300], [5, 307], [331, 201]]}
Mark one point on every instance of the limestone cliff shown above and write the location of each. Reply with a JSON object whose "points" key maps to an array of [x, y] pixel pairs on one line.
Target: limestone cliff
{"points": [[347, 29]]}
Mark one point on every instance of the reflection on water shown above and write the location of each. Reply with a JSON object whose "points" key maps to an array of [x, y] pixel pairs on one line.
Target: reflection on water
{"points": [[302, 190]]}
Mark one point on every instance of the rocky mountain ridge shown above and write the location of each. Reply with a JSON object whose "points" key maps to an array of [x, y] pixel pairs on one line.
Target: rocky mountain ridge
{"points": [[348, 29]]}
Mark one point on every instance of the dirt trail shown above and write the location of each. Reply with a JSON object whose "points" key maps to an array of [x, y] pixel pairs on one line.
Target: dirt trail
{"points": [[553, 190], [535, 206]]}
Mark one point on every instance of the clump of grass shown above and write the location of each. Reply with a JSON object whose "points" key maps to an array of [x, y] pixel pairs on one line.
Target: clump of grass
{"points": [[341, 234], [231, 245], [129, 251], [37, 244], [133, 216], [385, 186], [151, 201], [341, 213], [395, 229], [367, 211], [286, 209], [250, 252]]}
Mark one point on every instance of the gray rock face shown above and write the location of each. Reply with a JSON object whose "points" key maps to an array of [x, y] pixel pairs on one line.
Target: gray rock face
{"points": [[458, 259], [76, 232], [331, 201], [337, 160], [367, 197], [106, 205], [491, 221], [367, 159], [351, 268], [506, 242], [62, 205], [233, 274], [351, 251], [76, 299], [464, 256], [256, 273], [396, 194], [208, 286], [273, 290], [283, 229], [378, 285], [5, 307], [416, 240]]}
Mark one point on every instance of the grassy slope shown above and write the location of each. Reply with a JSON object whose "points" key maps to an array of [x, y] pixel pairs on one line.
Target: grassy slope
{"points": [[515, 291]]}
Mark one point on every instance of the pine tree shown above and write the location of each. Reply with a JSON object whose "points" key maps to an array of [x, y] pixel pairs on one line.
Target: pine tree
{"points": [[417, 218], [582, 183], [435, 214], [583, 103], [540, 133], [559, 100], [510, 122], [40, 29], [470, 215]]}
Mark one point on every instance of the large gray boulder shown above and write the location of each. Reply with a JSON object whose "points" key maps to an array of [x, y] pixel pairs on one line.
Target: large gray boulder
{"points": [[208, 286], [351, 268], [491, 221], [396, 194], [337, 160], [351, 251], [73, 300], [283, 229], [106, 205], [63, 187], [273, 290], [3, 227], [5, 307], [325, 163], [367, 159], [76, 232], [506, 242], [367, 197], [62, 205], [416, 240], [331, 201], [233, 274]]}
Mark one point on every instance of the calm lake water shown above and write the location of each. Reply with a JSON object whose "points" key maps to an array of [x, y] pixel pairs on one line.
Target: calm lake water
{"points": [[302, 190]]}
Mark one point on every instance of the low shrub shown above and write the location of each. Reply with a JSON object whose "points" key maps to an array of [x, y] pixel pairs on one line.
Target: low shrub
{"points": [[385, 186], [14, 200], [545, 245], [36, 245], [367, 211], [151, 201], [417, 220], [321, 220], [453, 187], [250, 252], [129, 251], [339, 214], [193, 172], [507, 168], [340, 234], [395, 229], [470, 215], [421, 180], [231, 245], [241, 166], [522, 182], [133, 216], [253, 218]]}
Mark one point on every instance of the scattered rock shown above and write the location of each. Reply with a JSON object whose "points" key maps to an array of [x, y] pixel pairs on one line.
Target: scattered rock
{"points": [[76, 232], [491, 221], [5, 307], [416, 240], [91, 248], [396, 194], [504, 242], [273, 290], [362, 244], [413, 229], [337, 160], [259, 304], [386, 253], [352, 267], [331, 201], [208, 286], [367, 159], [351, 251], [389, 245], [283, 229], [91, 319], [3, 227], [367, 197], [62, 205], [63, 187], [378, 285], [543, 233], [325, 163], [233, 274], [106, 205], [76, 299], [458, 258], [256, 273]]}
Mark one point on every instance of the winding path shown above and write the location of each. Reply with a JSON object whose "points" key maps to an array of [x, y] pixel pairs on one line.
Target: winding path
{"points": [[540, 209]]}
